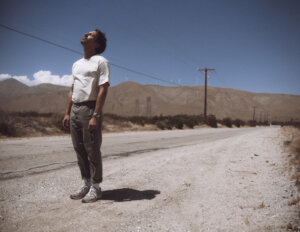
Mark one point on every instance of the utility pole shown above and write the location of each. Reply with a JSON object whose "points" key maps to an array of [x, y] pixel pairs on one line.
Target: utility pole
{"points": [[265, 117], [148, 113], [137, 107], [260, 116], [253, 113], [205, 91]]}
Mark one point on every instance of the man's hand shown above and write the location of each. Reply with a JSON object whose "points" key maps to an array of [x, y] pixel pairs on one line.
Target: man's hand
{"points": [[66, 122], [93, 123]]}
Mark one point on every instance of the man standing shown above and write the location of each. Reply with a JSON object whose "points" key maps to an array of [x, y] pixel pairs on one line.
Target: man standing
{"points": [[83, 115]]}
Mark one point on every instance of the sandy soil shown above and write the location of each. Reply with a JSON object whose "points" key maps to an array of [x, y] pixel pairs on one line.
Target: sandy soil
{"points": [[238, 183]]}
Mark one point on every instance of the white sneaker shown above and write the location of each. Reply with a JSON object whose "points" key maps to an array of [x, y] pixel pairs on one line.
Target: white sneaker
{"points": [[81, 192], [93, 195]]}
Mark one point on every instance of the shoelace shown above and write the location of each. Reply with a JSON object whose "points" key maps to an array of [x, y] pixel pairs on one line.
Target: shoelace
{"points": [[81, 188], [92, 192]]}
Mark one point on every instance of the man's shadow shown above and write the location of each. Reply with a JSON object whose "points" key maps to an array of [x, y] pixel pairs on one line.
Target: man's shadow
{"points": [[127, 194]]}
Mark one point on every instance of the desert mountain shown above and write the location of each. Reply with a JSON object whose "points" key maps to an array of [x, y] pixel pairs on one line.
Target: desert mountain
{"points": [[12, 87], [130, 98]]}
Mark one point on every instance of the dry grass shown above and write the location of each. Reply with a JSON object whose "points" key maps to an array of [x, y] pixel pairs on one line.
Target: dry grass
{"points": [[30, 123], [292, 143], [23, 124]]}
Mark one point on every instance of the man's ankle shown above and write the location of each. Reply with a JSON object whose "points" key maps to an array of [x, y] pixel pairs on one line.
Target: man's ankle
{"points": [[87, 182], [96, 185]]}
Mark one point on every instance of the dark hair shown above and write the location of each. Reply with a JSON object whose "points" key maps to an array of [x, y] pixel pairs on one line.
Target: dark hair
{"points": [[101, 40]]}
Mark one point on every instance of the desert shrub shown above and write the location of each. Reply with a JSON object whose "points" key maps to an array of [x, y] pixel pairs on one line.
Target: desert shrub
{"points": [[161, 125], [278, 123], [178, 124], [199, 119], [291, 123], [8, 129], [155, 119], [177, 121], [31, 114], [242, 122], [138, 120], [190, 123], [115, 117], [211, 120], [3, 116], [252, 123], [238, 123], [56, 120], [227, 122], [168, 123]]}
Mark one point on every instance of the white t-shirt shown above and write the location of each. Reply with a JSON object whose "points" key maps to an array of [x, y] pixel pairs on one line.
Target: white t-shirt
{"points": [[88, 74]]}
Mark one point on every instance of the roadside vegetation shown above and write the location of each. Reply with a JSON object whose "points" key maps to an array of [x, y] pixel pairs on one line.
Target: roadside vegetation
{"points": [[23, 124], [291, 131], [293, 145]]}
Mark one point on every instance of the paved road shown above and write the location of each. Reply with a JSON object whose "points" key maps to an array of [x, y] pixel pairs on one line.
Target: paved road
{"points": [[184, 180], [20, 157]]}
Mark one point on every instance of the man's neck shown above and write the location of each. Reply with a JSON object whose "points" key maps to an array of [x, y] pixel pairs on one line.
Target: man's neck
{"points": [[88, 53]]}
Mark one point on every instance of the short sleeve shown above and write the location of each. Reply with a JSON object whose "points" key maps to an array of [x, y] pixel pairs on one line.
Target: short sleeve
{"points": [[104, 73], [73, 77]]}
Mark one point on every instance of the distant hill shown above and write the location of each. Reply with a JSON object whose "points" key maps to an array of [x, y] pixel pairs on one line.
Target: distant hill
{"points": [[12, 87], [130, 98], [42, 98]]}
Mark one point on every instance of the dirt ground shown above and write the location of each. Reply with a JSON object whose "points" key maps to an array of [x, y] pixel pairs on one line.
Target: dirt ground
{"points": [[238, 183]]}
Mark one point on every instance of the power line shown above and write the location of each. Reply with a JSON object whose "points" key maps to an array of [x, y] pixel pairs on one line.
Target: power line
{"points": [[223, 82], [80, 53], [39, 38], [144, 74]]}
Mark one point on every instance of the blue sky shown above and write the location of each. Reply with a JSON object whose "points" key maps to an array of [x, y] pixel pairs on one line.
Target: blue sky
{"points": [[253, 45]]}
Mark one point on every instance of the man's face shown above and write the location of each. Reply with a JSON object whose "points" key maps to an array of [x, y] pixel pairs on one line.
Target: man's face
{"points": [[90, 38]]}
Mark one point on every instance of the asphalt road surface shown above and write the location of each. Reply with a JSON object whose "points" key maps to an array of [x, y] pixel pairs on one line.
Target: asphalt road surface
{"points": [[20, 157]]}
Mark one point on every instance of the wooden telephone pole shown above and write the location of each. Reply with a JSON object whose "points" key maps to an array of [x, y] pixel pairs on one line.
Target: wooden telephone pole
{"points": [[205, 92], [254, 113]]}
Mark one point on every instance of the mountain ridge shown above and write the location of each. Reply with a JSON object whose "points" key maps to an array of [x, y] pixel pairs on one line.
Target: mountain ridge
{"points": [[134, 99]]}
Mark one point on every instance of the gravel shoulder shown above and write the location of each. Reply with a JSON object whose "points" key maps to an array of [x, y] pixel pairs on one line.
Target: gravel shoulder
{"points": [[233, 183]]}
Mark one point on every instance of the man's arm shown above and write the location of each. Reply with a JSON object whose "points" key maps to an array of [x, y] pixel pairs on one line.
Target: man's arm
{"points": [[66, 120], [102, 93]]}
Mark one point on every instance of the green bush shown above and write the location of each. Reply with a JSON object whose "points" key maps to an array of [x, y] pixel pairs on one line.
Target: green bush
{"points": [[211, 120]]}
